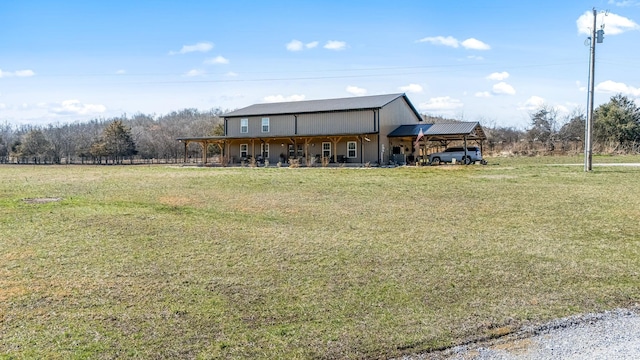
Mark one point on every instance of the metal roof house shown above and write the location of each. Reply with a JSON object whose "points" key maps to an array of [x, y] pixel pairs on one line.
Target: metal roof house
{"points": [[366, 129]]}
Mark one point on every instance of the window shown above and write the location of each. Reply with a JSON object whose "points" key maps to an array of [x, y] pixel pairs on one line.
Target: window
{"points": [[244, 150], [293, 153], [264, 150], [351, 149], [265, 124], [326, 149], [244, 126]]}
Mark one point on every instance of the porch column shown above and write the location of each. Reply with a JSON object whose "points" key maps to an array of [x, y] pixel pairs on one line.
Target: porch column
{"points": [[222, 160], [185, 151], [205, 146], [253, 149], [306, 150], [361, 149], [464, 161], [335, 141]]}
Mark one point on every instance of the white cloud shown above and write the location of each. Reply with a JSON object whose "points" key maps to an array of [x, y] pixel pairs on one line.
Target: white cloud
{"points": [[617, 88], [444, 103], [199, 47], [18, 73], [412, 88], [498, 76], [502, 88], [194, 72], [24, 73], [75, 107], [335, 45], [614, 24], [217, 60], [232, 74], [561, 109], [532, 104], [295, 45], [121, 72], [441, 40], [482, 94], [471, 43], [281, 98], [3, 106], [475, 44], [354, 90], [624, 3], [475, 57]]}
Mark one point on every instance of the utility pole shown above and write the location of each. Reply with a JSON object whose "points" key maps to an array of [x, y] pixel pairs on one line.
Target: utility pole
{"points": [[596, 37]]}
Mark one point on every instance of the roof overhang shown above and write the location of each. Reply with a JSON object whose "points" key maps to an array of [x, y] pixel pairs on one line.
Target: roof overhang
{"points": [[214, 139]]}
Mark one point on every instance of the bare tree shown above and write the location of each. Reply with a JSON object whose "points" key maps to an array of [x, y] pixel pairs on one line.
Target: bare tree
{"points": [[544, 126]]}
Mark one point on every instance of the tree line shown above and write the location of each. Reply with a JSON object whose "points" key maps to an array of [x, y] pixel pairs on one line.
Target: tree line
{"points": [[616, 130], [139, 137], [147, 138]]}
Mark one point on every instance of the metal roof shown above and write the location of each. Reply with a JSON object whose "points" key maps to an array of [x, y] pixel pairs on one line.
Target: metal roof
{"points": [[440, 130], [314, 106], [457, 128], [409, 130]]}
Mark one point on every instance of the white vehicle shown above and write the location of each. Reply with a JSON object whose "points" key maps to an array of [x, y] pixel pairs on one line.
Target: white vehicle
{"points": [[472, 156]]}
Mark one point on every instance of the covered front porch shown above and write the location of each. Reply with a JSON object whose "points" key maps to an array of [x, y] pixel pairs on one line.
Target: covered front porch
{"points": [[355, 149]]}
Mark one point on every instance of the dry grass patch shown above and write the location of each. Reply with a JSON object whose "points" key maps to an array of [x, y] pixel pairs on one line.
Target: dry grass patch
{"points": [[306, 263], [44, 200]]}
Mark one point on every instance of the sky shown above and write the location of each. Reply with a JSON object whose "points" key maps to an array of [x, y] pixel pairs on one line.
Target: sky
{"points": [[490, 61]]}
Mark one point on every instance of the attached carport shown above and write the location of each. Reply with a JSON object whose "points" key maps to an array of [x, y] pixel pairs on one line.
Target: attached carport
{"points": [[424, 137]]}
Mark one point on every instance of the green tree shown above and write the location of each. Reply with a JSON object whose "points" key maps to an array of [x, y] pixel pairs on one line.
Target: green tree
{"points": [[617, 123], [35, 146], [116, 142]]}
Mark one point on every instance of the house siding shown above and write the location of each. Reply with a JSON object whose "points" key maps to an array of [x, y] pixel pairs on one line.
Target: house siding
{"points": [[338, 122], [392, 115], [279, 125]]}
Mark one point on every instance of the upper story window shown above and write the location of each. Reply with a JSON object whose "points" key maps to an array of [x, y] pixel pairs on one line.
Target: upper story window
{"points": [[244, 126], [265, 124]]}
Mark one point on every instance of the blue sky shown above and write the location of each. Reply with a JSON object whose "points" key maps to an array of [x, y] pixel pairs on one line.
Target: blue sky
{"points": [[488, 61]]}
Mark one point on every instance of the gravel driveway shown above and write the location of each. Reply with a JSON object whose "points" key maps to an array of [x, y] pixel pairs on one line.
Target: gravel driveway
{"points": [[609, 335]]}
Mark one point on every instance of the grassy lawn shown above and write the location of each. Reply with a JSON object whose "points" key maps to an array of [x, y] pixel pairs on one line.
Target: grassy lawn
{"points": [[171, 262]]}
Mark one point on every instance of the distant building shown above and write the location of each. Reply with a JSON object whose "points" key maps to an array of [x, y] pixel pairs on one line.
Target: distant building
{"points": [[368, 129]]}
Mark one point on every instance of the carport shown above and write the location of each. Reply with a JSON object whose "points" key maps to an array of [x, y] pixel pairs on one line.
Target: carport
{"points": [[424, 137]]}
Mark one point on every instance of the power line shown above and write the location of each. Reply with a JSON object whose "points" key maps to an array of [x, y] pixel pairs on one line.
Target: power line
{"points": [[434, 69]]}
